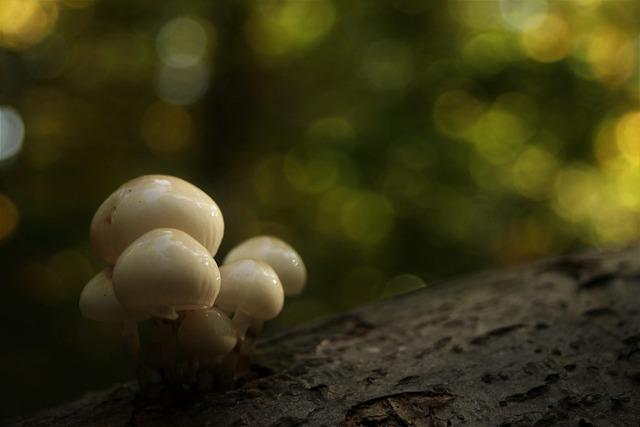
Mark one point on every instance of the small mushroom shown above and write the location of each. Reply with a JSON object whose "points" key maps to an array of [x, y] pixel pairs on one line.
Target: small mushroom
{"points": [[207, 334], [206, 337], [286, 262], [163, 271], [252, 291], [98, 302], [150, 202]]}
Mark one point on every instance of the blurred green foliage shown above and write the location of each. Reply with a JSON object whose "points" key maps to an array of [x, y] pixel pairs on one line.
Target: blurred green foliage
{"points": [[392, 142]]}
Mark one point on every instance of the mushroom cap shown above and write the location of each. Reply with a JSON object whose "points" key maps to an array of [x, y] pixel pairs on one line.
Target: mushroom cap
{"points": [[163, 271], [286, 262], [98, 302], [154, 201], [207, 333], [252, 287]]}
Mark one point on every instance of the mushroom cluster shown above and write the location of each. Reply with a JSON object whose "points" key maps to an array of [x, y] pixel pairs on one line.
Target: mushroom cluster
{"points": [[159, 235]]}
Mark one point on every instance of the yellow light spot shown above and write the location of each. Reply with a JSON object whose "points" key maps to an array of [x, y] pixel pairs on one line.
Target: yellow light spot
{"points": [[498, 136], [611, 55], [550, 41], [455, 112], [626, 182], [489, 53], [578, 192], [628, 137], [166, 128], [367, 218], [312, 172], [614, 224], [24, 23], [9, 217], [523, 14], [280, 28], [478, 15], [605, 147], [533, 173]]}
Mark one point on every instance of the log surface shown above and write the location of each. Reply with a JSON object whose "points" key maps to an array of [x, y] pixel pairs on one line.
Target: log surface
{"points": [[553, 344]]}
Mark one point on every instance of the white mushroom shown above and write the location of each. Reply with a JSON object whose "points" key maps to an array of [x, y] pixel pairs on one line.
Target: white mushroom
{"points": [[150, 202], [207, 334], [98, 302], [252, 291], [206, 337], [286, 262], [163, 271]]}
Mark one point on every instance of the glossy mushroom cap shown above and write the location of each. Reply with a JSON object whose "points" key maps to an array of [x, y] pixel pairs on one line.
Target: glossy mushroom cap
{"points": [[163, 271], [98, 302], [154, 201], [252, 287], [279, 255], [207, 333]]}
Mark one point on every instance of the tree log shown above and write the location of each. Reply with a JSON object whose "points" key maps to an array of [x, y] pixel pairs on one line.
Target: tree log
{"points": [[555, 343]]}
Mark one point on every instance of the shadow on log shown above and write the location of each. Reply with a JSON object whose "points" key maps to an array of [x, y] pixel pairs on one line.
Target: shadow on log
{"points": [[556, 343]]}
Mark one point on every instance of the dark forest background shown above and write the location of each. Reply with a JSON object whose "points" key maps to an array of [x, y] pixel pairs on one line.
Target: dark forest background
{"points": [[393, 143]]}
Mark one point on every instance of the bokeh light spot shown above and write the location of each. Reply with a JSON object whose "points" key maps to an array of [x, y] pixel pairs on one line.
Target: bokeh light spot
{"points": [[24, 23], [182, 85], [523, 14], [11, 133], [281, 28], [533, 173], [9, 217], [367, 218], [628, 137], [488, 53], [611, 55], [499, 136], [548, 42], [181, 42], [312, 172], [577, 192]]}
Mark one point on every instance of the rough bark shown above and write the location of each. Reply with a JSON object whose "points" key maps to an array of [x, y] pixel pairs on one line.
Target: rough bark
{"points": [[556, 343]]}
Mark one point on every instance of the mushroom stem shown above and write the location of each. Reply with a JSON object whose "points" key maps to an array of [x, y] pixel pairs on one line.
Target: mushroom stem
{"points": [[168, 346], [227, 370], [241, 321], [247, 346], [132, 338]]}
